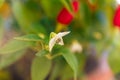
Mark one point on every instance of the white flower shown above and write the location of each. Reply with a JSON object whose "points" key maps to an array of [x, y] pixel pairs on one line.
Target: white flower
{"points": [[57, 39], [76, 47]]}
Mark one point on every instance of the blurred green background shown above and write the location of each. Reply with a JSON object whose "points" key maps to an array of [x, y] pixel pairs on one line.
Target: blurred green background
{"points": [[92, 30]]}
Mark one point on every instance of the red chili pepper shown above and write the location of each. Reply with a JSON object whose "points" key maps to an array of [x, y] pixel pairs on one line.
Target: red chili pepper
{"points": [[65, 17], [75, 5], [116, 20]]}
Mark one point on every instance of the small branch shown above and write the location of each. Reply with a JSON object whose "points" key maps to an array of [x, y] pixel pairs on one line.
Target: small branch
{"points": [[52, 57]]}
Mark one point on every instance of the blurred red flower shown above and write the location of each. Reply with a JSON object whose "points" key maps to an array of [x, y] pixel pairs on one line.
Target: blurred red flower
{"points": [[116, 20], [65, 16]]}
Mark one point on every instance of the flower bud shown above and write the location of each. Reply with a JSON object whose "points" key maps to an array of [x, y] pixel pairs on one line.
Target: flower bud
{"points": [[65, 16], [116, 20], [75, 5]]}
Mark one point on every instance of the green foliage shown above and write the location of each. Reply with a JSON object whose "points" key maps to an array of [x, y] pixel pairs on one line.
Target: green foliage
{"points": [[14, 46], [8, 59], [71, 60], [40, 68], [48, 7], [25, 18], [38, 18], [81, 63], [57, 71], [29, 37], [42, 53], [114, 60], [67, 70], [65, 3]]}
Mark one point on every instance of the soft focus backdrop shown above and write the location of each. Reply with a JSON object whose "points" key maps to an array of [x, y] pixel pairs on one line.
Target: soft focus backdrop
{"points": [[91, 50]]}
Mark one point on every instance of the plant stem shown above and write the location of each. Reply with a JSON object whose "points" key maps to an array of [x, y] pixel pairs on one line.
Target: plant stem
{"points": [[66, 5], [49, 56], [54, 56], [60, 27]]}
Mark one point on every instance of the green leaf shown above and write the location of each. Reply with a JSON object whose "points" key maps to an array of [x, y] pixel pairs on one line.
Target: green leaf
{"points": [[6, 60], [67, 70], [14, 46], [55, 73], [42, 53], [81, 63], [40, 68], [26, 18], [114, 60], [29, 37], [65, 3], [71, 60], [48, 6]]}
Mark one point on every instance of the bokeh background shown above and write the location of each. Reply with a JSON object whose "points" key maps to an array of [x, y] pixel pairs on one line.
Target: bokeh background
{"points": [[95, 38]]}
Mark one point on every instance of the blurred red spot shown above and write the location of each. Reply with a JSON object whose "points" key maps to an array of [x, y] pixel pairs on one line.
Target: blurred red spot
{"points": [[64, 17], [116, 20], [75, 4]]}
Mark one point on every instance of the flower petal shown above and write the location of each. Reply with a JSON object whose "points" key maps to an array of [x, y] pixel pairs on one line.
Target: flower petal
{"points": [[61, 42], [57, 39], [51, 44], [61, 34]]}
